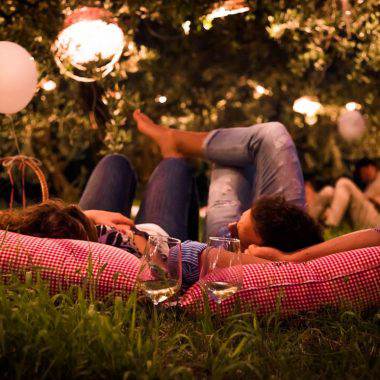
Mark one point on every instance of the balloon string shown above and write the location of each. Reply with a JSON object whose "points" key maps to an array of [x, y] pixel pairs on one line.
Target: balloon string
{"points": [[22, 168], [13, 188], [14, 134], [93, 123]]}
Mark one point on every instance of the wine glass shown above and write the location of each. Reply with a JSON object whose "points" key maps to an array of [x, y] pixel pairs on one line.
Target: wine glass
{"points": [[222, 272], [160, 275]]}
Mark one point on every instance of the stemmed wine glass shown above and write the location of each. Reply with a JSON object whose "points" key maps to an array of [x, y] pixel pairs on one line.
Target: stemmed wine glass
{"points": [[160, 275], [222, 272]]}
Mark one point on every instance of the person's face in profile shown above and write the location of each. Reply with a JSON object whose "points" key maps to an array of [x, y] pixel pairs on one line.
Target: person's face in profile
{"points": [[368, 173], [246, 230]]}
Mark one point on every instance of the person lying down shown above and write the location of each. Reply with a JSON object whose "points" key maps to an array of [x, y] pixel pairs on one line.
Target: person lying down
{"points": [[256, 194], [54, 219]]}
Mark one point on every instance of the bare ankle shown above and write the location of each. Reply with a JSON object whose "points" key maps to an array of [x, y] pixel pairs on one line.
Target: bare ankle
{"points": [[168, 144]]}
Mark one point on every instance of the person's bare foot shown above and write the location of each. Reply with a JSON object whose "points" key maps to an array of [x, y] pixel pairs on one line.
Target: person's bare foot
{"points": [[163, 136]]}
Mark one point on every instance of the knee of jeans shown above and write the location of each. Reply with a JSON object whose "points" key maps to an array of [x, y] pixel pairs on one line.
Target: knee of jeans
{"points": [[273, 127], [117, 162], [275, 134], [344, 182], [173, 163]]}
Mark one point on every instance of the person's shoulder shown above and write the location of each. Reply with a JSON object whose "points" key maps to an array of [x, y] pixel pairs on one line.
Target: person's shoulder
{"points": [[374, 186]]}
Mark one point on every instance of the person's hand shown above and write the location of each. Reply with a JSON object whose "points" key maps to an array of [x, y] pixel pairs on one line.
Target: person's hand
{"points": [[108, 218], [267, 253]]}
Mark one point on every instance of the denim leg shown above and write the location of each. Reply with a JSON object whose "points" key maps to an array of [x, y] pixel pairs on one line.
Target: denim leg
{"points": [[111, 186], [167, 200], [268, 153], [229, 196]]}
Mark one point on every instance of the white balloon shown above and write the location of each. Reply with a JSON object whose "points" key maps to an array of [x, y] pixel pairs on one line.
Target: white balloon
{"points": [[18, 77], [351, 125]]}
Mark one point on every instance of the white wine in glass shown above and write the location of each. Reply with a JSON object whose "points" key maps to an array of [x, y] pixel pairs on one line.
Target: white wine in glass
{"points": [[222, 271], [160, 275]]}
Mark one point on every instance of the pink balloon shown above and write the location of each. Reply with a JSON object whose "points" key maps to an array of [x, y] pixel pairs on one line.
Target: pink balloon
{"points": [[351, 125], [18, 77]]}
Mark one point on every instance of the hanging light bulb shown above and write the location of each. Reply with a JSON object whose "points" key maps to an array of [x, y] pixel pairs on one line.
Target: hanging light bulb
{"points": [[352, 106], [311, 119], [48, 85], [186, 27], [89, 45], [259, 91], [161, 99], [306, 105]]}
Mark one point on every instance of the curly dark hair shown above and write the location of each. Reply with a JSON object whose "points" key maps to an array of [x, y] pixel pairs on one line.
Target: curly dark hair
{"points": [[284, 226], [50, 219]]}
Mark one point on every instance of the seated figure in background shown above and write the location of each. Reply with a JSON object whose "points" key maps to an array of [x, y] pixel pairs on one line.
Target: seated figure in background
{"points": [[363, 206], [317, 201]]}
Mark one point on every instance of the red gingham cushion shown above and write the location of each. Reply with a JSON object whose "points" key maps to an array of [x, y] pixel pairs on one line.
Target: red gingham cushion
{"points": [[349, 277], [68, 262], [344, 278]]}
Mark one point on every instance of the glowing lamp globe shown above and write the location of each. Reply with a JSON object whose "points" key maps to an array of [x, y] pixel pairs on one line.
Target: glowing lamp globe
{"points": [[89, 45], [351, 125], [307, 106]]}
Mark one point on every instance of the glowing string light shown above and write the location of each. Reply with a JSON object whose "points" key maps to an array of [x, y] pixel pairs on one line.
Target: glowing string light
{"points": [[161, 99], [228, 8], [352, 106], [259, 91], [308, 107], [48, 85], [186, 27]]}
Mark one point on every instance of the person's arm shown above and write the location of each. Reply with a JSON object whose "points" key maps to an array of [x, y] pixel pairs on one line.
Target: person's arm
{"points": [[222, 259], [354, 240], [109, 218]]}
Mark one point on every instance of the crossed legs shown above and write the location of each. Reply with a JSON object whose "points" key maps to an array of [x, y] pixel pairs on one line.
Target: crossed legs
{"points": [[347, 196], [248, 163]]}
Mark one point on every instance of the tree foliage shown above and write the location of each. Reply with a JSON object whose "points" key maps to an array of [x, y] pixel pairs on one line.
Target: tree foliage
{"points": [[291, 48]]}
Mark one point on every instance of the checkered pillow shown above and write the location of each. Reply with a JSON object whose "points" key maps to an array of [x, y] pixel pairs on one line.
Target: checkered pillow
{"points": [[349, 277], [69, 262], [344, 278]]}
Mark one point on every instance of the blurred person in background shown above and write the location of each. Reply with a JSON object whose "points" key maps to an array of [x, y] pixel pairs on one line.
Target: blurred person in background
{"points": [[363, 206]]}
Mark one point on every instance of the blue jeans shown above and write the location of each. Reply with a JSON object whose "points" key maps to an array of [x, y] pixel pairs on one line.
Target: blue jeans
{"points": [[247, 163], [250, 162], [170, 200]]}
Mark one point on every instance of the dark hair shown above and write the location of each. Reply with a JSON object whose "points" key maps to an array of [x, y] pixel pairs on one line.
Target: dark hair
{"points": [[284, 226], [364, 162], [50, 219]]}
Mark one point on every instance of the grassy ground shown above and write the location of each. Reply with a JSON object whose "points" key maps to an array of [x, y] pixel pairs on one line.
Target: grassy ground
{"points": [[57, 337], [66, 337]]}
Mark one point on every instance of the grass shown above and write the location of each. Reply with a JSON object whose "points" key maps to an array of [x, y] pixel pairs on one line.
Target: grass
{"points": [[64, 337], [68, 336]]}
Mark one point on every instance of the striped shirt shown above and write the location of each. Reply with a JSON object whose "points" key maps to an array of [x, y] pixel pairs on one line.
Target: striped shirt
{"points": [[190, 250]]}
